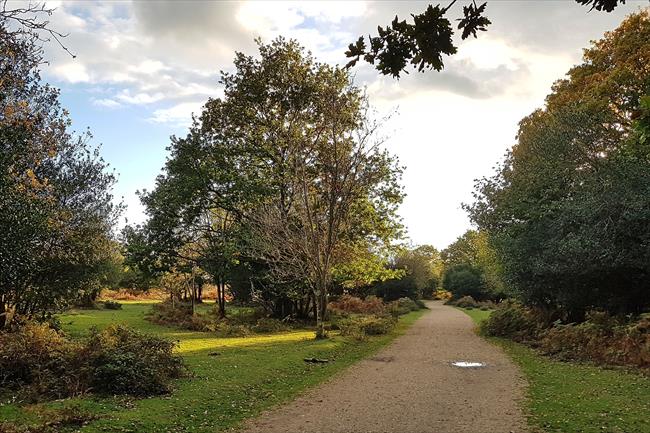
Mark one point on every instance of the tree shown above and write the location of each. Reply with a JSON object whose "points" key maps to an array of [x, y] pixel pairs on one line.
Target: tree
{"points": [[334, 164], [464, 280], [474, 250], [272, 174], [568, 209], [56, 209], [423, 43]]}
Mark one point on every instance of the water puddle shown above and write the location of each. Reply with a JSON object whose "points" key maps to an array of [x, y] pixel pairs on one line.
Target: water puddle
{"points": [[468, 364]]}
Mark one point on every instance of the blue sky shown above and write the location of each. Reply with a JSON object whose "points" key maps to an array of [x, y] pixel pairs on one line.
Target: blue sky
{"points": [[143, 67]]}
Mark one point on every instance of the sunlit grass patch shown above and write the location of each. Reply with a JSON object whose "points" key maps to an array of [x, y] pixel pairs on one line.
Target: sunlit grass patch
{"points": [[205, 343]]}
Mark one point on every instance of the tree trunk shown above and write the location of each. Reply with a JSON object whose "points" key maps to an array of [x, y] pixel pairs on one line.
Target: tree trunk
{"points": [[193, 294], [319, 299], [199, 297], [7, 315], [221, 297]]}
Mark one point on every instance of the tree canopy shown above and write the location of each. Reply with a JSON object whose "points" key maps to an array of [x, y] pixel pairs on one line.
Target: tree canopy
{"points": [[568, 208], [56, 207], [284, 175]]}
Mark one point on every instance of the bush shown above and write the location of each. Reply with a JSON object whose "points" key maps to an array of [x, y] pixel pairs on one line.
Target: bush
{"points": [[514, 321], [421, 305], [268, 325], [112, 305], [362, 326], [441, 294], [601, 340], [39, 362], [465, 302], [125, 361], [352, 304]]}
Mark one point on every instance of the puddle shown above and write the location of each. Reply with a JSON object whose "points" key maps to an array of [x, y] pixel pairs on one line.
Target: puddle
{"points": [[468, 364]]}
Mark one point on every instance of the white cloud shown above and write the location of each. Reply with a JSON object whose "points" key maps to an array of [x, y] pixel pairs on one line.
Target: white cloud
{"points": [[106, 102], [139, 98], [148, 67], [73, 72], [179, 115]]}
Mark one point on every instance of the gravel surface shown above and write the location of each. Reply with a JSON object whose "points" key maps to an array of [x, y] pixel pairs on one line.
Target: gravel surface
{"points": [[411, 387]]}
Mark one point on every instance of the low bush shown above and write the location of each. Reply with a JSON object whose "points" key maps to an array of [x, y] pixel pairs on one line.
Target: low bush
{"points": [[404, 306], [352, 304], [601, 339], [112, 305], [514, 321], [361, 326], [421, 305], [125, 361], [268, 325], [39, 362], [442, 295], [465, 302], [240, 324], [470, 303], [133, 295]]}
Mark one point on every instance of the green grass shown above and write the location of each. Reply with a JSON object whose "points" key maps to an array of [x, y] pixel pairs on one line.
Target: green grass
{"points": [[250, 374], [577, 398], [477, 315]]}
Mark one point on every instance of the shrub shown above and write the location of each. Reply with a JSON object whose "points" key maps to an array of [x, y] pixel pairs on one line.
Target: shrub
{"points": [[441, 294], [362, 326], [125, 361], [39, 361], [512, 320], [112, 305], [267, 325], [465, 302], [178, 314], [352, 304], [600, 339]]}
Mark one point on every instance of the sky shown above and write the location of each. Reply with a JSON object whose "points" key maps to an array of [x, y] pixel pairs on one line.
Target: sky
{"points": [[143, 67]]}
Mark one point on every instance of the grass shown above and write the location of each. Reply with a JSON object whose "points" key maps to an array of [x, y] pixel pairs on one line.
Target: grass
{"points": [[477, 315], [577, 398], [247, 376]]}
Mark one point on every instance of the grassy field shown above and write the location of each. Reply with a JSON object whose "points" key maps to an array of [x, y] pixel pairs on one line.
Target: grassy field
{"points": [[246, 376], [576, 398]]}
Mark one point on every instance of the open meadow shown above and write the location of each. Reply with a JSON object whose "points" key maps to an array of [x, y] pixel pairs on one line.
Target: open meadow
{"points": [[228, 379]]}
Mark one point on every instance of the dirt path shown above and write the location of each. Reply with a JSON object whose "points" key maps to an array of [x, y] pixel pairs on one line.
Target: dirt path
{"points": [[410, 387]]}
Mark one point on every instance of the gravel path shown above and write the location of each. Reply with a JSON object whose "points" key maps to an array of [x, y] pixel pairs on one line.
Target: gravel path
{"points": [[411, 387]]}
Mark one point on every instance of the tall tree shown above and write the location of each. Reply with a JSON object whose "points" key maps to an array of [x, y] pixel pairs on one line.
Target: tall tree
{"points": [[568, 209], [56, 209], [286, 157]]}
